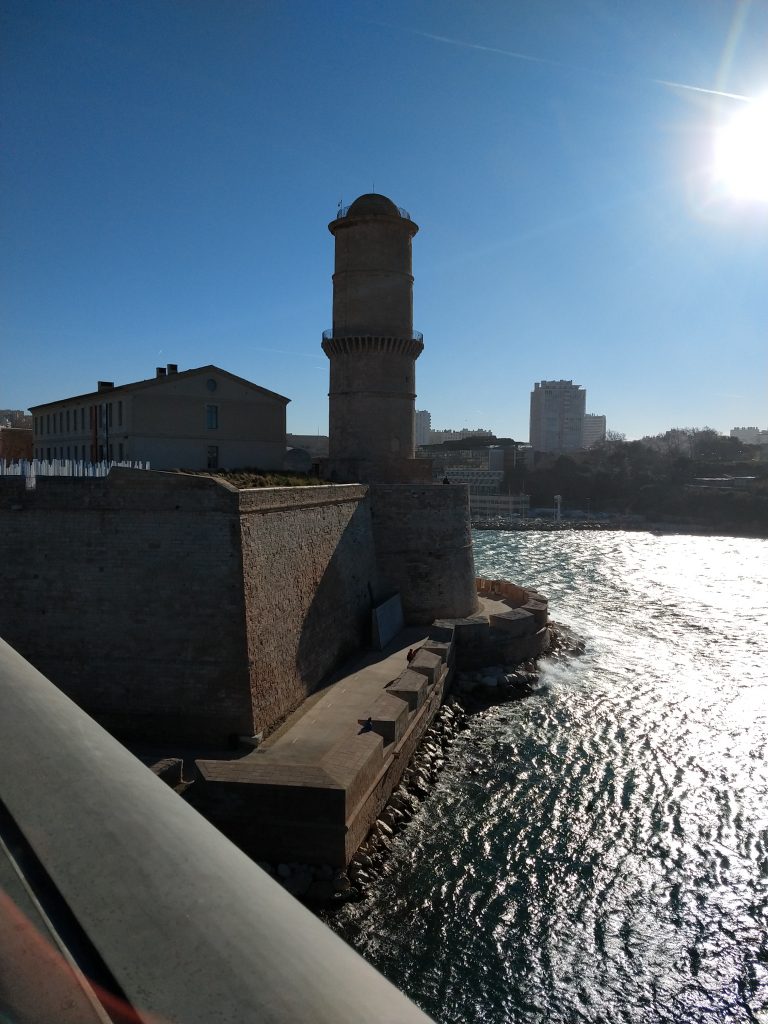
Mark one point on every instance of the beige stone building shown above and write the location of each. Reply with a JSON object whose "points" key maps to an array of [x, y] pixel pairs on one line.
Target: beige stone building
{"points": [[205, 418]]}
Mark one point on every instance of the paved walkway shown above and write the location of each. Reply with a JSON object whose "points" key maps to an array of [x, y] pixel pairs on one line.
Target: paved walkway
{"points": [[334, 712]]}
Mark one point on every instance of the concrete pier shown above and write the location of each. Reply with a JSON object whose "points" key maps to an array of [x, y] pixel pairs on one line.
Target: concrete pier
{"points": [[312, 790]]}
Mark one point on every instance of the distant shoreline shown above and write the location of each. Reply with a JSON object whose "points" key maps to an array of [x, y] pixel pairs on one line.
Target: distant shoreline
{"points": [[604, 526]]}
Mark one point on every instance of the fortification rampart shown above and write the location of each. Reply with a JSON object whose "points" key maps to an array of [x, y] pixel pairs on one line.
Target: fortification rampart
{"points": [[309, 581], [175, 607], [424, 548]]}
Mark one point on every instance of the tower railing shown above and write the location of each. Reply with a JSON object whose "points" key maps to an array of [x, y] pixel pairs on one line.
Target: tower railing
{"points": [[332, 334], [344, 212]]}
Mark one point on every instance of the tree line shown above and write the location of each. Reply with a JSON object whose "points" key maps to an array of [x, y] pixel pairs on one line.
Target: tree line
{"points": [[665, 476]]}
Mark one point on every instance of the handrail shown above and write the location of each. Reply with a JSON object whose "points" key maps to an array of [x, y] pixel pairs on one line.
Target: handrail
{"points": [[331, 334], [344, 212], [190, 929]]}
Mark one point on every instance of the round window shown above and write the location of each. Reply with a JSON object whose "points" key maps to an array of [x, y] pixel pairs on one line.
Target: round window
{"points": [[211, 384]]}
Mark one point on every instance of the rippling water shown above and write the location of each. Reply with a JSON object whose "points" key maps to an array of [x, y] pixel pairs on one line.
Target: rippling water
{"points": [[599, 852]]}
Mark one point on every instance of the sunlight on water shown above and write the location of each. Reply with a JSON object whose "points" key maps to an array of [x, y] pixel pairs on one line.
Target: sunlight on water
{"points": [[599, 852]]}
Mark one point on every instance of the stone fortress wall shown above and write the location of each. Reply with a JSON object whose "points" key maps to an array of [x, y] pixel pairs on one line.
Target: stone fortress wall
{"points": [[175, 608], [424, 548]]}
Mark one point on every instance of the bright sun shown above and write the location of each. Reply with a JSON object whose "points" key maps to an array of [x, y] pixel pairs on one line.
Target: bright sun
{"points": [[741, 152]]}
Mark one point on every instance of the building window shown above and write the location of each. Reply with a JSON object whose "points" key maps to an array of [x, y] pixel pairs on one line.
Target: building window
{"points": [[110, 453], [82, 422], [120, 414], [109, 414], [101, 416], [48, 454], [61, 421], [67, 420], [213, 456], [120, 450], [212, 417]]}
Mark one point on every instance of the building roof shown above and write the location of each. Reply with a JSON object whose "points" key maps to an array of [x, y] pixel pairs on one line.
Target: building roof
{"points": [[159, 382]]}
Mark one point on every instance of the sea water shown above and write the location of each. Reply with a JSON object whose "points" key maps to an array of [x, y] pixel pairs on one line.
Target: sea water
{"points": [[599, 851]]}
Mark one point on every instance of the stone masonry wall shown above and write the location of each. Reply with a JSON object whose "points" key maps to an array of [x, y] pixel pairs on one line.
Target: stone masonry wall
{"points": [[310, 579], [424, 548], [176, 608], [127, 593]]}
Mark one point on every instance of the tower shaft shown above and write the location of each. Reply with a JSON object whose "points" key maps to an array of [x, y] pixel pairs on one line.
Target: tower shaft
{"points": [[372, 346]]}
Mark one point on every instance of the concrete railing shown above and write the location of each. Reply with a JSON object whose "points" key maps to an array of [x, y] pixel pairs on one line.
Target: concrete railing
{"points": [[186, 925]]}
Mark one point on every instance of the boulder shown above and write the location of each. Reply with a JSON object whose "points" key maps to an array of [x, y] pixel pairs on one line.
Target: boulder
{"points": [[341, 882]]}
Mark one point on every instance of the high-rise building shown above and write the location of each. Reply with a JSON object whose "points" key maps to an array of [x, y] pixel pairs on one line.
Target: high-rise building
{"points": [[423, 427], [557, 416], [593, 430]]}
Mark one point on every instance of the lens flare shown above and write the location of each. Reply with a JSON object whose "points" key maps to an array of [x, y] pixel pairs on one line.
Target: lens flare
{"points": [[740, 164]]}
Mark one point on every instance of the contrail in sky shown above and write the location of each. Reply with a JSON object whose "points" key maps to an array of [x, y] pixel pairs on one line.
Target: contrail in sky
{"points": [[697, 88], [571, 67]]}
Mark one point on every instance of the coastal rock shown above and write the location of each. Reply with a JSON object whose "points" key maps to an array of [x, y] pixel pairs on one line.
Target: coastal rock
{"points": [[341, 882]]}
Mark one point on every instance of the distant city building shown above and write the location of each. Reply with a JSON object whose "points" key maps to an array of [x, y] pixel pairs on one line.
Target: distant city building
{"points": [[479, 481], [423, 427], [557, 416], [593, 430], [205, 418], [750, 435], [499, 506], [315, 444], [15, 418], [438, 436]]}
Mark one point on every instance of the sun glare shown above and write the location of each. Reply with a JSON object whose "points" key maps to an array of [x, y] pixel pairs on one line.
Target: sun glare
{"points": [[741, 152]]}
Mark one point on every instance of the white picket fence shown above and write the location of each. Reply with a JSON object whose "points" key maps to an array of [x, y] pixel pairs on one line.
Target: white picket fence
{"points": [[32, 468]]}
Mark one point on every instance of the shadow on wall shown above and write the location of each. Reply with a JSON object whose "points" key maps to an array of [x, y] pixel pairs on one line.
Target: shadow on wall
{"points": [[338, 619], [310, 580]]}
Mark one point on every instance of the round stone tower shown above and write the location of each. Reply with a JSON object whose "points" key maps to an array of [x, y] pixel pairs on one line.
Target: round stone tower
{"points": [[372, 345]]}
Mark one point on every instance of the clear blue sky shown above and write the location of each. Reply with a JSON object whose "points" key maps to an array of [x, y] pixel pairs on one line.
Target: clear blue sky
{"points": [[169, 168]]}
